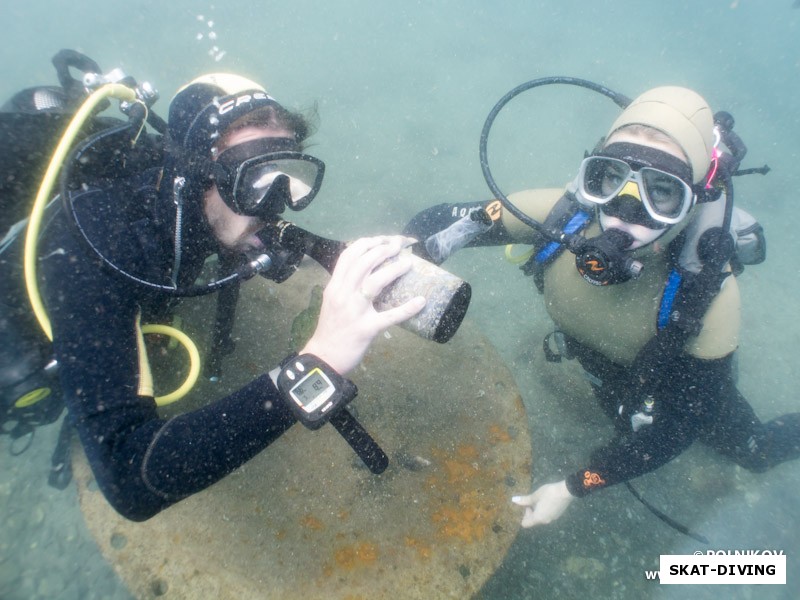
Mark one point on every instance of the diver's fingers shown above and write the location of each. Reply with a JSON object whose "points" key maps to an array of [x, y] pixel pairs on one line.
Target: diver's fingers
{"points": [[398, 314], [361, 257], [385, 274], [528, 500], [529, 519], [546, 504]]}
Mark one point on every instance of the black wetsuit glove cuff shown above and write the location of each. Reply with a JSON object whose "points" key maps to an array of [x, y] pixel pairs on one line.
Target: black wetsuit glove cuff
{"points": [[575, 485]]}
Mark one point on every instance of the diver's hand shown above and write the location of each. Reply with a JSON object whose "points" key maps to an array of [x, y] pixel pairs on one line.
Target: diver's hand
{"points": [[544, 505], [348, 322], [446, 228]]}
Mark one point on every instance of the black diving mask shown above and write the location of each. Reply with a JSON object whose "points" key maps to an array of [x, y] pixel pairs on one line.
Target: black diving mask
{"points": [[260, 177], [661, 181]]}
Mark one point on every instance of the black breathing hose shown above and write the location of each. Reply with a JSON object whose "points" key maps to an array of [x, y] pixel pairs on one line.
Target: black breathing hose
{"points": [[128, 131], [619, 99]]}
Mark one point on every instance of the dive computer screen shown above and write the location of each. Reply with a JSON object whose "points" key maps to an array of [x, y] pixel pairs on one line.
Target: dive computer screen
{"points": [[312, 391]]}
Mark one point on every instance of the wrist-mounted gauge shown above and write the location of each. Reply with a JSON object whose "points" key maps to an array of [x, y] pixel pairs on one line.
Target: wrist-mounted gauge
{"points": [[313, 390], [317, 394]]}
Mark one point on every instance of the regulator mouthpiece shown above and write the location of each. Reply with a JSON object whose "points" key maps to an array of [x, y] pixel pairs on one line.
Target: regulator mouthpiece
{"points": [[603, 260]]}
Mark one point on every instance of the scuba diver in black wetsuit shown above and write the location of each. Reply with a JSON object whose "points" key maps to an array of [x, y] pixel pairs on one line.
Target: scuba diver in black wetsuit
{"points": [[118, 251], [633, 261]]}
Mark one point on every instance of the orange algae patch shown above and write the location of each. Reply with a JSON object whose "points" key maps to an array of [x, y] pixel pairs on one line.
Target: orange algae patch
{"points": [[423, 550], [467, 452], [312, 522], [469, 521], [358, 555], [497, 435], [458, 471], [462, 466], [464, 504]]}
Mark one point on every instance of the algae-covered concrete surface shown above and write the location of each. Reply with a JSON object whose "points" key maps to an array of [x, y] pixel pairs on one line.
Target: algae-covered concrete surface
{"points": [[305, 518]]}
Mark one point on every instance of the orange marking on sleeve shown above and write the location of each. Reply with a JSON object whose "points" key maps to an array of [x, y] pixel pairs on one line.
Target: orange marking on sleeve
{"points": [[495, 210], [592, 479]]}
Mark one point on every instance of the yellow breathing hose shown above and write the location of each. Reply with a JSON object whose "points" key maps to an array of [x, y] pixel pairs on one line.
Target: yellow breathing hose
{"points": [[126, 94], [194, 361], [46, 188], [519, 258]]}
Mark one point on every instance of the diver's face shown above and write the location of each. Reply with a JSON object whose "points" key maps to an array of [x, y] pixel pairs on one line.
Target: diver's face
{"points": [[642, 231], [234, 231]]}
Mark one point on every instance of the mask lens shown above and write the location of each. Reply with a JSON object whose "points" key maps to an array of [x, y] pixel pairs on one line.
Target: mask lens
{"points": [[253, 187], [603, 178], [302, 177], [666, 194], [271, 182]]}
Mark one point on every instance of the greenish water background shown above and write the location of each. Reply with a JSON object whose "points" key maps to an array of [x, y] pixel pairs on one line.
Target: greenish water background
{"points": [[402, 90]]}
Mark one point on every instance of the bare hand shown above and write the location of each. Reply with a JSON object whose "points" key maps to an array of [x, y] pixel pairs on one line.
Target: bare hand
{"points": [[544, 505], [348, 322]]}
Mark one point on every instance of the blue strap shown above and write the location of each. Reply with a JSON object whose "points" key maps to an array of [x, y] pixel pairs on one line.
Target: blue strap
{"points": [[668, 298], [575, 224]]}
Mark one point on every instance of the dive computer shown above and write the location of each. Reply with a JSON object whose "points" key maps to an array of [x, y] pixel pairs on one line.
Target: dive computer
{"points": [[313, 390]]}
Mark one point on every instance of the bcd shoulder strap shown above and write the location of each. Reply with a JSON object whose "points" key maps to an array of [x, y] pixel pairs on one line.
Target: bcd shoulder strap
{"points": [[567, 216]]}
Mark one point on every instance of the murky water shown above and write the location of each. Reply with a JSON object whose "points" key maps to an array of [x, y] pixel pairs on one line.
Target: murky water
{"points": [[402, 90]]}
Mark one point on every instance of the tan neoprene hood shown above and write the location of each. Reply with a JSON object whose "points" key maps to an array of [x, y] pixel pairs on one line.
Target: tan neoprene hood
{"points": [[680, 113]]}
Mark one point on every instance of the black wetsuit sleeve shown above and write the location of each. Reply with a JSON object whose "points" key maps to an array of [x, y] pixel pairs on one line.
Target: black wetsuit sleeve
{"points": [[142, 463], [436, 218], [693, 394]]}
